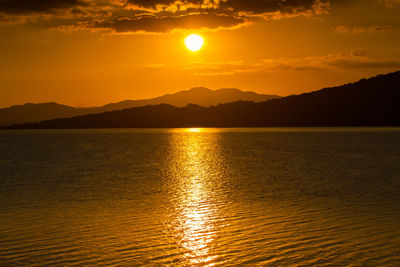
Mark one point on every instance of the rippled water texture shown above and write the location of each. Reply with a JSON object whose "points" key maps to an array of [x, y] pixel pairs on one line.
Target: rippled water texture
{"points": [[200, 197]]}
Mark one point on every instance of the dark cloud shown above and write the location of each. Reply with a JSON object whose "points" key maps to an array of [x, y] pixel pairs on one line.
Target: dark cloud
{"points": [[151, 3], [236, 6], [167, 15], [391, 3], [35, 6], [167, 24], [268, 6], [160, 15]]}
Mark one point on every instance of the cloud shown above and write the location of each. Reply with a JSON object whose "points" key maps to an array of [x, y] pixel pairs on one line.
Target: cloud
{"points": [[154, 66], [362, 29], [235, 6], [391, 3], [36, 6], [167, 24], [357, 59], [360, 53], [363, 64], [253, 67], [156, 16], [262, 7], [152, 3]]}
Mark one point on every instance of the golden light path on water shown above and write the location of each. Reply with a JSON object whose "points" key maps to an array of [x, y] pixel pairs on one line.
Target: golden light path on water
{"points": [[200, 197], [196, 210]]}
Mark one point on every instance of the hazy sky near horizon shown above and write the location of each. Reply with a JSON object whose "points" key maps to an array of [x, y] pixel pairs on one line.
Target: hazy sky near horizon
{"points": [[92, 52]]}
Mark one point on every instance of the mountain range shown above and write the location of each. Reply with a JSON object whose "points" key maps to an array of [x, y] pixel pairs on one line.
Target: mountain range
{"points": [[199, 95], [368, 102]]}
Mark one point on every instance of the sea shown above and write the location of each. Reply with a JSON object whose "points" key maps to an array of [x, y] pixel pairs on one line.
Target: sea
{"points": [[200, 197]]}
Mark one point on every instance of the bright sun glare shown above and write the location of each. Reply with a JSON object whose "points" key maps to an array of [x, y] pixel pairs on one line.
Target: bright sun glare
{"points": [[194, 130], [194, 42]]}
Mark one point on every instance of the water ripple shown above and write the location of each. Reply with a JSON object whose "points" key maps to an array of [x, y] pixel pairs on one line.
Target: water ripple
{"points": [[206, 198]]}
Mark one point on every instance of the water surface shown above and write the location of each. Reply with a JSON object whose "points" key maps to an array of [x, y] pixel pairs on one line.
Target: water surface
{"points": [[298, 197]]}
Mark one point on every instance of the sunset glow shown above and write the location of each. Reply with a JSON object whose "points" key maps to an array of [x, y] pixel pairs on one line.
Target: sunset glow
{"points": [[89, 53]]}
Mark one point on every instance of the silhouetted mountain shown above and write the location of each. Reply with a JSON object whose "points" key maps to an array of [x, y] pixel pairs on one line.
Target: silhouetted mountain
{"points": [[200, 95], [35, 112], [369, 102]]}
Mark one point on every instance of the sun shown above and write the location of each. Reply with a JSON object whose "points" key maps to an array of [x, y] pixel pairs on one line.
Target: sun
{"points": [[194, 42]]}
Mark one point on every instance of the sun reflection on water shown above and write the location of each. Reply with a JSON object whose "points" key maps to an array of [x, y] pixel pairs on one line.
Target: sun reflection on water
{"points": [[194, 130], [196, 226], [195, 197]]}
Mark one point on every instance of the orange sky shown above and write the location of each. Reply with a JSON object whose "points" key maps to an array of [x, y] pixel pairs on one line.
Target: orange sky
{"points": [[92, 52]]}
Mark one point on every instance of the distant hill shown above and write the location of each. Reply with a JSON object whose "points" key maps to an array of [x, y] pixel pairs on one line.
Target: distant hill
{"points": [[199, 95], [369, 102]]}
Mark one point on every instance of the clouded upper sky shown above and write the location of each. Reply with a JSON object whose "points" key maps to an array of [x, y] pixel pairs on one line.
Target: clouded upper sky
{"points": [[92, 52]]}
